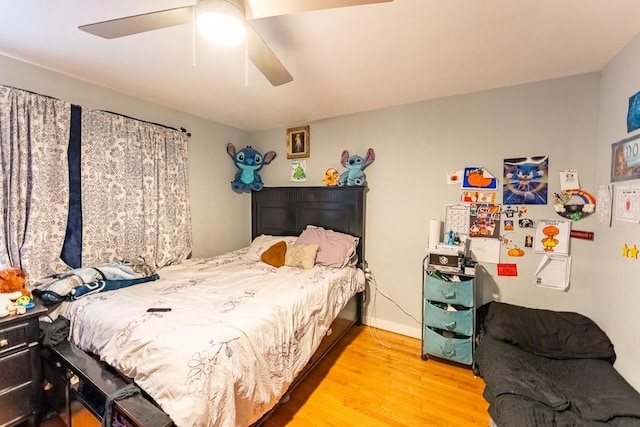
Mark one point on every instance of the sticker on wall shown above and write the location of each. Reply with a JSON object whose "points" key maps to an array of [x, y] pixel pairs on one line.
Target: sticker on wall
{"points": [[509, 212], [528, 241], [515, 252], [526, 223], [582, 235], [507, 269], [630, 251], [478, 197], [506, 240], [454, 177], [525, 180]]}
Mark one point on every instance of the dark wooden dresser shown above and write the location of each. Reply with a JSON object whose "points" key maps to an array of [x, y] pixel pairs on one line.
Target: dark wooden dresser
{"points": [[21, 397]]}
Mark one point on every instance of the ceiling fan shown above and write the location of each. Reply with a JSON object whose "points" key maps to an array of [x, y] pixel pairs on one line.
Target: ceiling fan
{"points": [[244, 10]]}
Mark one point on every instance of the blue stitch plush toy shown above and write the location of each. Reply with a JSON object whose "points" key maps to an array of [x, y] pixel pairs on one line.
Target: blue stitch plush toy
{"points": [[249, 162], [355, 165]]}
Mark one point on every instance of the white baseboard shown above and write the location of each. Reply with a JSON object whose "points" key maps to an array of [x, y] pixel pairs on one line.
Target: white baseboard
{"points": [[410, 331]]}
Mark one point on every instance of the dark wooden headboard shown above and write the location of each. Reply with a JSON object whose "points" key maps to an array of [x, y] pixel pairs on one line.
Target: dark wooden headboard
{"points": [[286, 211]]}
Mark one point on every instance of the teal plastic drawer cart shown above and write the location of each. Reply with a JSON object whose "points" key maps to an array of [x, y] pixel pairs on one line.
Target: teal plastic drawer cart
{"points": [[449, 313]]}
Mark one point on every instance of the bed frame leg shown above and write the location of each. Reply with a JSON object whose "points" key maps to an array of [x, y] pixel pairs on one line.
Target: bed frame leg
{"points": [[67, 396]]}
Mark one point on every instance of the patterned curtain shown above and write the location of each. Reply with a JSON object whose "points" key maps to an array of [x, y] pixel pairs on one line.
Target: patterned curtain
{"points": [[135, 199], [34, 135]]}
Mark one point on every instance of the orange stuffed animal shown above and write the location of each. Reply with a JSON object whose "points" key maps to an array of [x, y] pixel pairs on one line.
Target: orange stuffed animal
{"points": [[12, 287]]}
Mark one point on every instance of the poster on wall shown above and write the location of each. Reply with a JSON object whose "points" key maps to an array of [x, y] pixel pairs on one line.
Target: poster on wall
{"points": [[298, 170], [552, 237], [633, 114], [554, 272], [569, 180], [456, 219], [625, 159], [484, 220], [478, 178], [525, 181], [605, 203], [628, 203]]}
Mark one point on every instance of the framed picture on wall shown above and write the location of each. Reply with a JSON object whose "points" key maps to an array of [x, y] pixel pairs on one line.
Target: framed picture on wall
{"points": [[625, 159], [298, 142]]}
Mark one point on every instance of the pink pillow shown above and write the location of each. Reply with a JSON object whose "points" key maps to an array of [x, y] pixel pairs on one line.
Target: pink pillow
{"points": [[334, 249]]}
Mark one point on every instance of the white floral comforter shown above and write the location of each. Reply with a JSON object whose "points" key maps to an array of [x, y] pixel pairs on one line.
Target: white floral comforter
{"points": [[237, 334]]}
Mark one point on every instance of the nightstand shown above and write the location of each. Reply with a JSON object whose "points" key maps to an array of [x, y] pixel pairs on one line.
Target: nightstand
{"points": [[20, 368]]}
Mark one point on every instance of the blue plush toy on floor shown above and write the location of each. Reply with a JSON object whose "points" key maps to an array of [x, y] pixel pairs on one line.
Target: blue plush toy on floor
{"points": [[355, 165], [249, 162]]}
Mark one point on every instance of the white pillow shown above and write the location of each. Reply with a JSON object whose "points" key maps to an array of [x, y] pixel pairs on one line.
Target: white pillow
{"points": [[264, 242], [300, 255]]}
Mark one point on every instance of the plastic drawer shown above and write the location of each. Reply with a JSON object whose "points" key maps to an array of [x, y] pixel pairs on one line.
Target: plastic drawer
{"points": [[449, 292], [460, 322], [455, 349]]}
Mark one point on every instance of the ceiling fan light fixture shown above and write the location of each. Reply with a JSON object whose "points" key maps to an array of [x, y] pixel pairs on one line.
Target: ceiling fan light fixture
{"points": [[221, 21]]}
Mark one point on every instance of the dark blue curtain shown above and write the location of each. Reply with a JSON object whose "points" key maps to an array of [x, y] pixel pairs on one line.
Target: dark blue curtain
{"points": [[72, 248]]}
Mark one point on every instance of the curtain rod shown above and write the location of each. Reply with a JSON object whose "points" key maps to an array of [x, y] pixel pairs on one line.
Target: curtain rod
{"points": [[106, 111], [183, 130]]}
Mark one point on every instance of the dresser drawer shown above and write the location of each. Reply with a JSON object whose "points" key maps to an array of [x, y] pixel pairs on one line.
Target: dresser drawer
{"points": [[16, 403], [456, 349], [449, 292], [460, 322], [16, 369], [13, 337]]}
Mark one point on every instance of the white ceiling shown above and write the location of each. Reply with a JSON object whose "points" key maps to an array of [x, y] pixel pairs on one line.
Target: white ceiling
{"points": [[342, 60]]}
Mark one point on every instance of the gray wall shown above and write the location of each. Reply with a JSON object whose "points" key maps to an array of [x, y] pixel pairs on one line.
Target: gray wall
{"points": [[616, 280], [417, 144]]}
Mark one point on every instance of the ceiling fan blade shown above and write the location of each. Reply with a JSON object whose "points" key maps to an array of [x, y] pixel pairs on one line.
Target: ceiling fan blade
{"points": [[262, 9], [140, 23], [265, 60]]}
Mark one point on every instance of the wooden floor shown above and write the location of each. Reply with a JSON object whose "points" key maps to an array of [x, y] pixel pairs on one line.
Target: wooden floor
{"points": [[364, 382]]}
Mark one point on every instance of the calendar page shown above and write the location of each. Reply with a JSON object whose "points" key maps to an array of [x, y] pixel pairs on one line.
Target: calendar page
{"points": [[456, 219]]}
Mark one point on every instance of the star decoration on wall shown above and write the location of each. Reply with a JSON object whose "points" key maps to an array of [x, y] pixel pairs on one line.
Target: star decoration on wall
{"points": [[630, 251]]}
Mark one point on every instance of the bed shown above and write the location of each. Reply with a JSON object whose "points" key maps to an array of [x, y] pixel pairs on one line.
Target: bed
{"points": [[240, 333], [549, 368]]}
